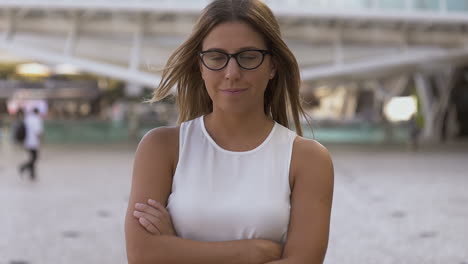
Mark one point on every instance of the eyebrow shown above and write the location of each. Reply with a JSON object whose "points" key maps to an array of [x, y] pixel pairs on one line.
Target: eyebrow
{"points": [[241, 49]]}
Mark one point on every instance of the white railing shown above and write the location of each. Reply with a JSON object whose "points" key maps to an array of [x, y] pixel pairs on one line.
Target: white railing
{"points": [[432, 6]]}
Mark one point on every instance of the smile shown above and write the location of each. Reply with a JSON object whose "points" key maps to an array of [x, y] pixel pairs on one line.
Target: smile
{"points": [[233, 91]]}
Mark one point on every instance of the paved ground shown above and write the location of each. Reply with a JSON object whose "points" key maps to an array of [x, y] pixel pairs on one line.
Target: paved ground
{"points": [[390, 206]]}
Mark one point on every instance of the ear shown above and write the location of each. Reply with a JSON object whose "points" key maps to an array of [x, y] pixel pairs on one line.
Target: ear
{"points": [[273, 70]]}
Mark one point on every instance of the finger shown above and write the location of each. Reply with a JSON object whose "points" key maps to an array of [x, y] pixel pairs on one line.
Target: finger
{"points": [[156, 222], [148, 209], [166, 216], [148, 226], [158, 206]]}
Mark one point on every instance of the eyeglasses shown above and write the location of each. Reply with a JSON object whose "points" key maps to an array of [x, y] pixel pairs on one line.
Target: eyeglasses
{"points": [[246, 59]]}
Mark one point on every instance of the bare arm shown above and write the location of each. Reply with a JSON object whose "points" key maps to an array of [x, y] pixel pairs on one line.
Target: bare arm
{"points": [[311, 202], [154, 165]]}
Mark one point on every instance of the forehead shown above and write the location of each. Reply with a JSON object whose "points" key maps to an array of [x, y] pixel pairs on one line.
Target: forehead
{"points": [[232, 36]]}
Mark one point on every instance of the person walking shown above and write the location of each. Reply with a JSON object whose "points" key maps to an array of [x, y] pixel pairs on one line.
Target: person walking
{"points": [[34, 132], [18, 128], [414, 133]]}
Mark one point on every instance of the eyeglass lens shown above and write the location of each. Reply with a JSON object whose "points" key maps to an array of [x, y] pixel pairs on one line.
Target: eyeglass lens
{"points": [[248, 59]]}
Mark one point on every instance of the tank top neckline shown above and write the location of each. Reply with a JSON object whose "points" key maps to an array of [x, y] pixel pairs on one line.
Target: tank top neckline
{"points": [[218, 147]]}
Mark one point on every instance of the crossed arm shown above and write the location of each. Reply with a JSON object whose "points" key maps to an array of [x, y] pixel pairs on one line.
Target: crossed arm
{"points": [[151, 238]]}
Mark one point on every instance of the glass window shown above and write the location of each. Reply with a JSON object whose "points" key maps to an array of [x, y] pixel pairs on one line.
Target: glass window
{"points": [[392, 4], [457, 5], [426, 4]]}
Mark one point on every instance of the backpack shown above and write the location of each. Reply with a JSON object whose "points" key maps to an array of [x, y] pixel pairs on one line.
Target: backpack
{"points": [[20, 132]]}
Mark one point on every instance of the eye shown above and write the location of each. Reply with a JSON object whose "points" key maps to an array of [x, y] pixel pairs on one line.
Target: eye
{"points": [[249, 55], [214, 56]]}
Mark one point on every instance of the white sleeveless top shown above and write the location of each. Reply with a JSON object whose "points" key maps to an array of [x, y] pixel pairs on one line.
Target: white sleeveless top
{"points": [[221, 195]]}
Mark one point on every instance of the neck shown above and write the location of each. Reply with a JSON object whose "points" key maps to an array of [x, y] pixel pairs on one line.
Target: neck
{"points": [[237, 123], [238, 131]]}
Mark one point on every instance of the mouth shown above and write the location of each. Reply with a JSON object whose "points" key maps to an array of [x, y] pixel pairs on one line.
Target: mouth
{"points": [[233, 91]]}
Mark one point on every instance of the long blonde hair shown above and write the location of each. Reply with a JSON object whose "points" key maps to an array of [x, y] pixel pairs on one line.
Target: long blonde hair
{"points": [[182, 69]]}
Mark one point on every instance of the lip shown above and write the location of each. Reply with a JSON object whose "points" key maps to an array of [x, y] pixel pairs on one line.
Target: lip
{"points": [[234, 91]]}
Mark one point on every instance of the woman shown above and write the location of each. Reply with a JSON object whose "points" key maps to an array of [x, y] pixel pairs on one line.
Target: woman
{"points": [[231, 184]]}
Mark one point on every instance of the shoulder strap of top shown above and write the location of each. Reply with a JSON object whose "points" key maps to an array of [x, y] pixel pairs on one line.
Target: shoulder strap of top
{"points": [[185, 130]]}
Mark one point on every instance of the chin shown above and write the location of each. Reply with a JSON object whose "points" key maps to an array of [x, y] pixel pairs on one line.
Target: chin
{"points": [[236, 107]]}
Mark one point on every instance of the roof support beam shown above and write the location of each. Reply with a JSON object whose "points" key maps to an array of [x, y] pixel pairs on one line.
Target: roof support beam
{"points": [[113, 71]]}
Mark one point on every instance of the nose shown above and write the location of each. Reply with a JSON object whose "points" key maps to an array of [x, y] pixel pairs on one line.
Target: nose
{"points": [[232, 70]]}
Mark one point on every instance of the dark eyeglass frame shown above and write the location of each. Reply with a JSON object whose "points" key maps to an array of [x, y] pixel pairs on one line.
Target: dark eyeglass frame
{"points": [[235, 56]]}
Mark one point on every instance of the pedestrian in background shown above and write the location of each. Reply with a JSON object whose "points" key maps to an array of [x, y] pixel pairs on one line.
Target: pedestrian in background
{"points": [[18, 128], [32, 141], [232, 183], [414, 132]]}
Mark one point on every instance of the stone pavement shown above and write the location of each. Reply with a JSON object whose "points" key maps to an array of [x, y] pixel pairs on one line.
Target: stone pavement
{"points": [[390, 206]]}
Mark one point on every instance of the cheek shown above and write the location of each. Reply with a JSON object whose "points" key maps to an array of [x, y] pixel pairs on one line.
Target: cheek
{"points": [[208, 79], [261, 82], [263, 77], [205, 76], [211, 82]]}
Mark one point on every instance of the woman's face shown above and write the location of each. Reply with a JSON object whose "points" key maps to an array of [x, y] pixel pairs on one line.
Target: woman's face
{"points": [[234, 89]]}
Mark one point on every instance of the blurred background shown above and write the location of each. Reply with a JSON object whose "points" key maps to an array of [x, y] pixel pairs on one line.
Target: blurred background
{"points": [[384, 81]]}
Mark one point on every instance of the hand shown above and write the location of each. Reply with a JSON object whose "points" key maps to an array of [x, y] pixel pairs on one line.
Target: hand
{"points": [[266, 251], [154, 217]]}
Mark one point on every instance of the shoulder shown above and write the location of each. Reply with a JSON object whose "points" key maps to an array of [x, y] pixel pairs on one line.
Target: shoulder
{"points": [[311, 159], [159, 142], [161, 136], [308, 149]]}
